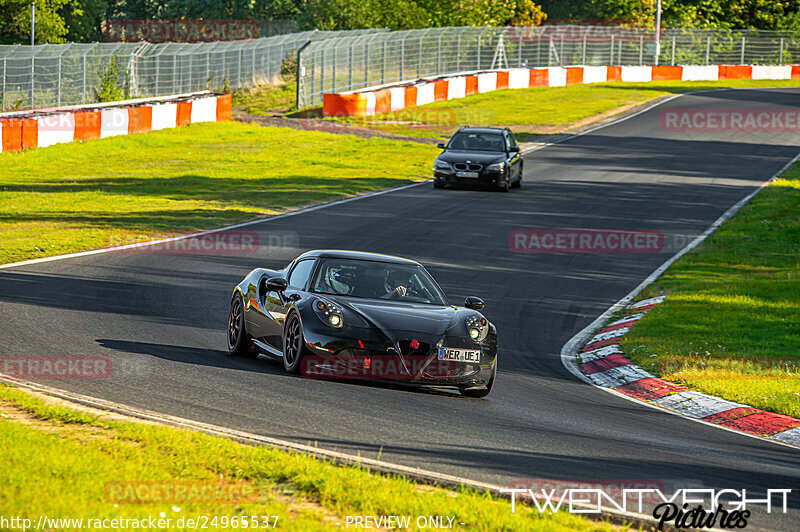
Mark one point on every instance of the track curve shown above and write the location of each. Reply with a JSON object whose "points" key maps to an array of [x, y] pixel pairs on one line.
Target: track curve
{"points": [[161, 318]]}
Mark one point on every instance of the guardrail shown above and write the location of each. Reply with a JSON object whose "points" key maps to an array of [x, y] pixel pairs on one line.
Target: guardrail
{"points": [[383, 99]]}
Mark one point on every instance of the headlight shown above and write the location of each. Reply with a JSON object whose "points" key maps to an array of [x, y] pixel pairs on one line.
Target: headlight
{"points": [[497, 167], [328, 313], [442, 166], [477, 328]]}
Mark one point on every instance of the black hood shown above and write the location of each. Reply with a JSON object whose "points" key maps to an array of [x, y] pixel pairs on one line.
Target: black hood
{"points": [[401, 319], [479, 157]]}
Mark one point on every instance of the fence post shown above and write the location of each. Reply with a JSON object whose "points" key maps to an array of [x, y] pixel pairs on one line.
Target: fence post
{"points": [[519, 51], [550, 52], [561, 51], [708, 49], [366, 63], [333, 77], [300, 74], [780, 53], [402, 57], [539, 50], [321, 73], [383, 64], [611, 59], [208, 68], [419, 56], [439, 54], [254, 67], [189, 88], [583, 57], [350, 68], [478, 63], [83, 78], [673, 50], [58, 90], [33, 70], [641, 49], [3, 98], [239, 76], [741, 62], [174, 71]]}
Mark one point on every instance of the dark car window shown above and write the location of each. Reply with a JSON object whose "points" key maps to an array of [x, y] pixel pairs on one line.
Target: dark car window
{"points": [[299, 276], [375, 280], [512, 142], [474, 141]]}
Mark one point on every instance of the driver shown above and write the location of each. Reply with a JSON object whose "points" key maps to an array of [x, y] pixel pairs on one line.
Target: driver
{"points": [[396, 284]]}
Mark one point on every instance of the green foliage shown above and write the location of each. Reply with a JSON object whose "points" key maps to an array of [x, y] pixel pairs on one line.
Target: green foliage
{"points": [[110, 89], [15, 21], [83, 19]]}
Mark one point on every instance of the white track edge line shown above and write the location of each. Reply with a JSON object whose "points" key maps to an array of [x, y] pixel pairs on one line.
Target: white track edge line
{"points": [[415, 473], [569, 351]]}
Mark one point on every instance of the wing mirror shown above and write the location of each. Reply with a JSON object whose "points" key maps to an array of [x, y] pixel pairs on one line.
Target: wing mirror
{"points": [[513, 149], [276, 284], [474, 303], [440, 145]]}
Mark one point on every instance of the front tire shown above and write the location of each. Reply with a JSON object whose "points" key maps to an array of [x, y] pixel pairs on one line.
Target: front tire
{"points": [[506, 185], [294, 344], [437, 184], [480, 392], [238, 340]]}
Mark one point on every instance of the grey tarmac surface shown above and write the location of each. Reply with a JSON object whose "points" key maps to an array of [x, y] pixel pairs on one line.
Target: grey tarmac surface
{"points": [[161, 318]]}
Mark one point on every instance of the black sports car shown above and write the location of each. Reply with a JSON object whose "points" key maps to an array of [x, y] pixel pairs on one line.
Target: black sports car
{"points": [[347, 314], [479, 156]]}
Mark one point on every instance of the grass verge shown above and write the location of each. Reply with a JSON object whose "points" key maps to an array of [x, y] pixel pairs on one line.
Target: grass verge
{"points": [[538, 111], [267, 100], [731, 324], [80, 196], [64, 463]]}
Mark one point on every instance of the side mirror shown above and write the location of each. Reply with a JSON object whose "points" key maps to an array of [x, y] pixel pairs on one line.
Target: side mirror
{"points": [[474, 303], [513, 149], [276, 284], [440, 145]]}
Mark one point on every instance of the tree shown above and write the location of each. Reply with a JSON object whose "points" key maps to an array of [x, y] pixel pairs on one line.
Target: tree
{"points": [[15, 21], [84, 18]]}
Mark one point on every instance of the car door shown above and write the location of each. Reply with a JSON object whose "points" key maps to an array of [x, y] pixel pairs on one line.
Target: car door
{"points": [[514, 158], [278, 305]]}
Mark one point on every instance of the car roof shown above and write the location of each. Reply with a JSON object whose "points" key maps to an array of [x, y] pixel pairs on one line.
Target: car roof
{"points": [[357, 255], [495, 130]]}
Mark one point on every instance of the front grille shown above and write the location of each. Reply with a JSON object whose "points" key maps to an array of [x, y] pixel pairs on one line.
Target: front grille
{"points": [[471, 167]]}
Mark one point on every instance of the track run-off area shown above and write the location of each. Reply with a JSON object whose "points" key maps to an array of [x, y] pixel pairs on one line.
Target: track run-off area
{"points": [[161, 317]]}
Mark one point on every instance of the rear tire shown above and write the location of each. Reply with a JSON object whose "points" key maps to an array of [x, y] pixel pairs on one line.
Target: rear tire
{"points": [[294, 344], [238, 340], [480, 392]]}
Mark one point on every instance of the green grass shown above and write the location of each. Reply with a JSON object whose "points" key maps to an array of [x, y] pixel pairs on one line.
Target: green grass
{"points": [[80, 196], [267, 99], [64, 464], [536, 111], [731, 323]]}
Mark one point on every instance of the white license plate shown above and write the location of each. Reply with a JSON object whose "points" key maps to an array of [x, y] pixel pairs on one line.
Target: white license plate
{"points": [[459, 355], [466, 174]]}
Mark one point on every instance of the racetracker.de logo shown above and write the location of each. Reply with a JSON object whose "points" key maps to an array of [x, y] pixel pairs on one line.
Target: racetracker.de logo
{"points": [[222, 243], [56, 367], [179, 492], [381, 367], [771, 120], [585, 241]]}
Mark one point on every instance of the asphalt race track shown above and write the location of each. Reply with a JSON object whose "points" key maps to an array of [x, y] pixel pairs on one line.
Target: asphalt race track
{"points": [[162, 317]]}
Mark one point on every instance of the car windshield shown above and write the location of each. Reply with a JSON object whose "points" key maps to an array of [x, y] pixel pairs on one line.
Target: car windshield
{"points": [[474, 141], [376, 280]]}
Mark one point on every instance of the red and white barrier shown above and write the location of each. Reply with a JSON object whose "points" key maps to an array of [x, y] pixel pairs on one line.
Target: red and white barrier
{"points": [[604, 363], [39, 129], [383, 99]]}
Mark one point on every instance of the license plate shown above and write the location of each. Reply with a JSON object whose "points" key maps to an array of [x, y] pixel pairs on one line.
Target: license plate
{"points": [[466, 174], [459, 355]]}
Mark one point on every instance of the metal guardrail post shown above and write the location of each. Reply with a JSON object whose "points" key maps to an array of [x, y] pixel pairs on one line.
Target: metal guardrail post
{"points": [[741, 61], [673, 50], [611, 57], [708, 49], [299, 76]]}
